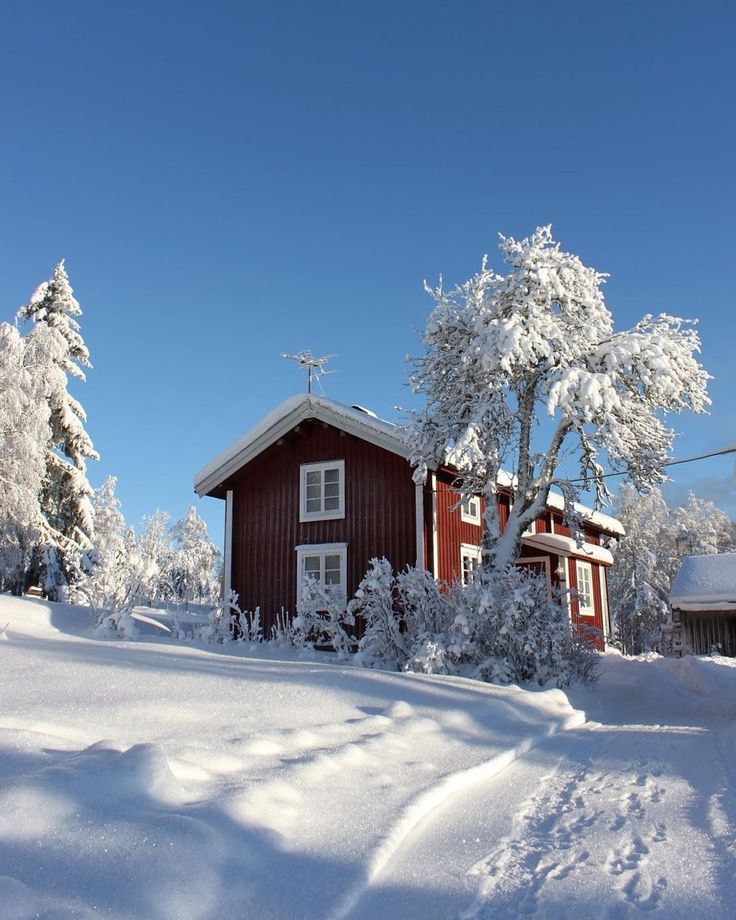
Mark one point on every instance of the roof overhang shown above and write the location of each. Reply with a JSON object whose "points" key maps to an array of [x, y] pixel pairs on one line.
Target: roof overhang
{"points": [[282, 420], [566, 546]]}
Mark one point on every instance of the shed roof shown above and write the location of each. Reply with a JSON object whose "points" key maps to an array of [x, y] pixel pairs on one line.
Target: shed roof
{"points": [[705, 583]]}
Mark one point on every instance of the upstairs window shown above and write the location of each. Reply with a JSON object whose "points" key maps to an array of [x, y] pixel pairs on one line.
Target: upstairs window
{"points": [[469, 562], [322, 491], [584, 572], [470, 510]]}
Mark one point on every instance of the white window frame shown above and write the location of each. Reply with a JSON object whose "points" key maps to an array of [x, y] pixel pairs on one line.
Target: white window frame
{"points": [[587, 608], [332, 514], [472, 552], [321, 550], [466, 515]]}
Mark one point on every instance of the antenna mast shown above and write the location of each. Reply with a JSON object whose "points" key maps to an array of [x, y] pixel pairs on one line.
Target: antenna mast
{"points": [[315, 367]]}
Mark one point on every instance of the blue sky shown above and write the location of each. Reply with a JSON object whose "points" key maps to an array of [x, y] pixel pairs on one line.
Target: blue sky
{"points": [[231, 180]]}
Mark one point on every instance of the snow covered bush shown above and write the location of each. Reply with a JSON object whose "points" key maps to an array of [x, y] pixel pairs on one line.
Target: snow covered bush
{"points": [[504, 351], [224, 622], [322, 617], [375, 604], [511, 629], [405, 618], [502, 627]]}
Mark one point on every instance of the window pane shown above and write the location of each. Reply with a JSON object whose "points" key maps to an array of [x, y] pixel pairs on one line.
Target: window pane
{"points": [[332, 504], [332, 475], [311, 566], [332, 570], [332, 489], [314, 491], [314, 505], [314, 477]]}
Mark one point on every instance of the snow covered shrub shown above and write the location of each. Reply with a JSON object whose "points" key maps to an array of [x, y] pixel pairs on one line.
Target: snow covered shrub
{"points": [[224, 622], [374, 602], [322, 617], [286, 632], [511, 630], [406, 618]]}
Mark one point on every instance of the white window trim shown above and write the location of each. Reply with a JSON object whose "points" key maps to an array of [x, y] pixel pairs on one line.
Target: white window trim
{"points": [[587, 610], [321, 549], [466, 516], [604, 600], [323, 465], [472, 552]]}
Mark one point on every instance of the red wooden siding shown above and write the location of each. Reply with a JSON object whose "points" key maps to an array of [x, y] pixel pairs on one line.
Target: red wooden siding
{"points": [[380, 515], [583, 622]]}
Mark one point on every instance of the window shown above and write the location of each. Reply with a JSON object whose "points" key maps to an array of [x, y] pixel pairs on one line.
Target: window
{"points": [[325, 562], [584, 574], [322, 491], [470, 510], [469, 562]]}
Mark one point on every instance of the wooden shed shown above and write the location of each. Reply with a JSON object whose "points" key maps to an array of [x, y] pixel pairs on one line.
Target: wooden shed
{"points": [[703, 605]]}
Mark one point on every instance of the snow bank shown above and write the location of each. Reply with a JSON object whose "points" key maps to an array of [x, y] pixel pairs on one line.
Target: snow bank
{"points": [[163, 780]]}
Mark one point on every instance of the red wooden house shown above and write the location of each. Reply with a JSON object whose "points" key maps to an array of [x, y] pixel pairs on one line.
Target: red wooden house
{"points": [[318, 488]]}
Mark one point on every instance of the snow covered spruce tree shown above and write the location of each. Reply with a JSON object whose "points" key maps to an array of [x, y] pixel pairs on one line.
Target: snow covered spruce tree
{"points": [[66, 494], [504, 351]]}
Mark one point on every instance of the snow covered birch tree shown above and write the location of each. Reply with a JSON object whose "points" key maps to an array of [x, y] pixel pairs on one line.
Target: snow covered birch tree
{"points": [[639, 581], [24, 433], [66, 496], [193, 575], [502, 351]]}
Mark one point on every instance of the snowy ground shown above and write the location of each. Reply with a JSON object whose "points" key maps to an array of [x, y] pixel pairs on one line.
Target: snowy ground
{"points": [[164, 780]]}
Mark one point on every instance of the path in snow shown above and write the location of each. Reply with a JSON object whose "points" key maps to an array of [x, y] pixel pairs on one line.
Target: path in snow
{"points": [[606, 821]]}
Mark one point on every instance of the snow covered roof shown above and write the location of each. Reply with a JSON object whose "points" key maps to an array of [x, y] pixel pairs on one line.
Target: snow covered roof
{"points": [[352, 419], [604, 521], [282, 419], [705, 583]]}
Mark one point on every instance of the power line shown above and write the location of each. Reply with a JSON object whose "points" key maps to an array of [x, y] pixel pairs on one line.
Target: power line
{"points": [[715, 453]]}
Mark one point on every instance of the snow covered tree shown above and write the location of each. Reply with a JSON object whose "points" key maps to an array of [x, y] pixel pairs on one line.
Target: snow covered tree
{"points": [[113, 569], [154, 545], [701, 527], [24, 433], [504, 351], [639, 581], [193, 568], [66, 495]]}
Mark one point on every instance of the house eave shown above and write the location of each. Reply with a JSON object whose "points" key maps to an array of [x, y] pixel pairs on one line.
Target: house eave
{"points": [[247, 448]]}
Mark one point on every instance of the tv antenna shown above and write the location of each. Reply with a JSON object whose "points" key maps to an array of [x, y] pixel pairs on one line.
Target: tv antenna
{"points": [[315, 367]]}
